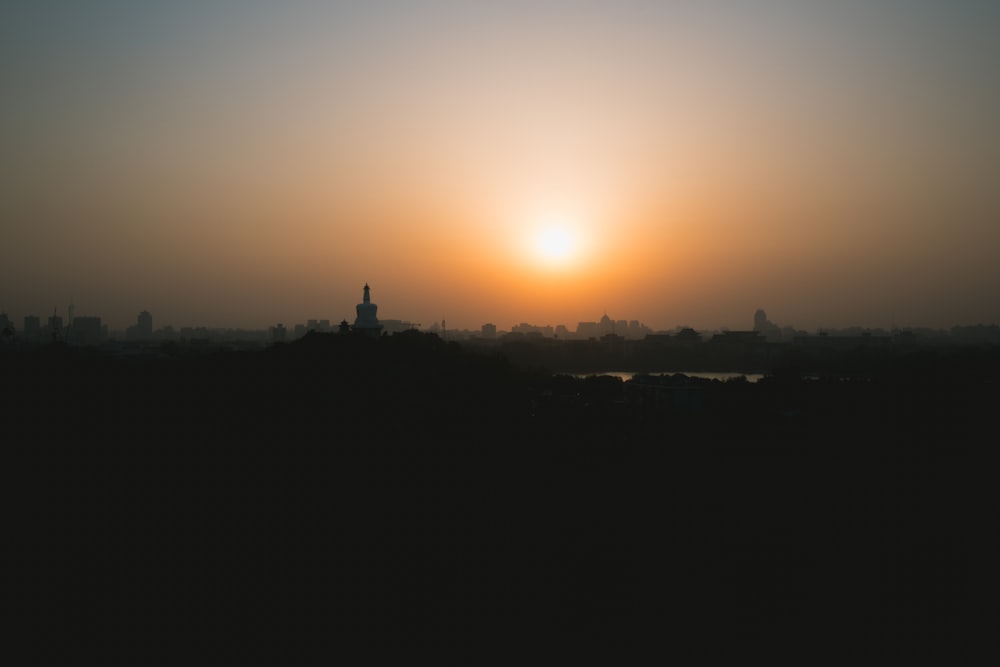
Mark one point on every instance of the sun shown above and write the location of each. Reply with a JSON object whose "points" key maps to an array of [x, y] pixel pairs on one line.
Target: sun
{"points": [[556, 240], [555, 244]]}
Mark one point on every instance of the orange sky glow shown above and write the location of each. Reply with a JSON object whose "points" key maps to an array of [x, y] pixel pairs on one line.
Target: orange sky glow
{"points": [[241, 165]]}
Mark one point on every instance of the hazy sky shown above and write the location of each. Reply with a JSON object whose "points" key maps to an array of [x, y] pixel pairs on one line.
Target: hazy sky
{"points": [[680, 163]]}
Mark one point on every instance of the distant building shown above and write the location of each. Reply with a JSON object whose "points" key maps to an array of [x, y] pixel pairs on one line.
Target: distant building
{"points": [[489, 331], [605, 326], [279, 333], [688, 336], [525, 328], [6, 328], [144, 324], [764, 326], [396, 326], [366, 320], [321, 326], [143, 327], [55, 327]]}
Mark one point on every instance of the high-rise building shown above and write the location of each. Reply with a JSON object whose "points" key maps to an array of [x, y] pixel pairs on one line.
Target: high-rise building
{"points": [[6, 328], [143, 327], [144, 324], [322, 326], [55, 327]]}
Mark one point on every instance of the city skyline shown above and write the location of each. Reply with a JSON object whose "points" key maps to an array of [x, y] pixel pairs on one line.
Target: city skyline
{"points": [[680, 164], [146, 326]]}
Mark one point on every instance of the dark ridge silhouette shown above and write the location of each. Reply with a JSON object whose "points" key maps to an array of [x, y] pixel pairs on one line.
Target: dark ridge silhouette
{"points": [[415, 497]]}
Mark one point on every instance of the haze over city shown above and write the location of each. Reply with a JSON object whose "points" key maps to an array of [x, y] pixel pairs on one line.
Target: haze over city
{"points": [[681, 164]]}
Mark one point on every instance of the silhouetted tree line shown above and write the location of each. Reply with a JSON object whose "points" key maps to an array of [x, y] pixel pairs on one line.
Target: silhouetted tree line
{"points": [[415, 497], [814, 355]]}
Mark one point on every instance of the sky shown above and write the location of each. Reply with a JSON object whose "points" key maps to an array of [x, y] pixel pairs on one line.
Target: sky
{"points": [[241, 164]]}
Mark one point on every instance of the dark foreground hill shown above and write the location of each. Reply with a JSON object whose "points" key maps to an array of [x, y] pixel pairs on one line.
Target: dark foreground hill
{"points": [[414, 500]]}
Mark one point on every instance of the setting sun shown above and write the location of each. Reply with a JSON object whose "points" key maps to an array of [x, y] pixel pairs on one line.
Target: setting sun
{"points": [[555, 244], [669, 162], [556, 241]]}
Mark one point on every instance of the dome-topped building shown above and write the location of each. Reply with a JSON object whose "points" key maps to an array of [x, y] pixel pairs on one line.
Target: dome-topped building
{"points": [[366, 320]]}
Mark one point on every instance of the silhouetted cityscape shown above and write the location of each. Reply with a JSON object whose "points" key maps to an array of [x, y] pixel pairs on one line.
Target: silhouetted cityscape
{"points": [[759, 344], [426, 490], [529, 333]]}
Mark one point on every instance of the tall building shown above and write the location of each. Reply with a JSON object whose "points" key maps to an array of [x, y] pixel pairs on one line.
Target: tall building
{"points": [[321, 326], [6, 327], [55, 328], [366, 320], [143, 327]]}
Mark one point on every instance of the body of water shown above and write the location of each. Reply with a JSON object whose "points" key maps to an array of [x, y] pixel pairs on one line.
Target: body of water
{"points": [[627, 375]]}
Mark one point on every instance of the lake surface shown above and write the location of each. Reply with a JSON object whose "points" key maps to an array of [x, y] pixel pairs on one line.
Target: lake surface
{"points": [[627, 375]]}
